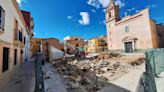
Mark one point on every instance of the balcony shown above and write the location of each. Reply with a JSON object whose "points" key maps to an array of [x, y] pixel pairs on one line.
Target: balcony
{"points": [[18, 38]]}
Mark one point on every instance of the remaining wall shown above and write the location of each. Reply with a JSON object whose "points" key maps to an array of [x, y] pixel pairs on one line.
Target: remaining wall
{"points": [[55, 53]]}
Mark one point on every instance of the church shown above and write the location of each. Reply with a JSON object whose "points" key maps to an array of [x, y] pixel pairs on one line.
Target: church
{"points": [[133, 33]]}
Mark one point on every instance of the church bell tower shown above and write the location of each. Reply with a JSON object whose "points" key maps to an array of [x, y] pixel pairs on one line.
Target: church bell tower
{"points": [[112, 16], [112, 12]]}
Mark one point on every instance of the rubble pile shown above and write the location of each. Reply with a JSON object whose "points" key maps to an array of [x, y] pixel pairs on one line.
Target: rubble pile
{"points": [[139, 61], [81, 78], [92, 75], [108, 55]]}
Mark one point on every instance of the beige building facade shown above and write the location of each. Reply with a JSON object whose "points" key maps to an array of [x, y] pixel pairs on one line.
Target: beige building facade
{"points": [[13, 36], [75, 41], [133, 33], [97, 44]]}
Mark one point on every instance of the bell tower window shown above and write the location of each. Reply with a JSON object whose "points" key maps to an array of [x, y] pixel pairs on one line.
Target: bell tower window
{"points": [[109, 15]]}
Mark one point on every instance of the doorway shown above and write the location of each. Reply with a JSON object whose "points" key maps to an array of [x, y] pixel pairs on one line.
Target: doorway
{"points": [[128, 47], [5, 59], [15, 56]]}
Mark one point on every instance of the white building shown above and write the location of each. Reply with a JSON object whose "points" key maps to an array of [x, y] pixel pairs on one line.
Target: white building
{"points": [[77, 38], [14, 34]]}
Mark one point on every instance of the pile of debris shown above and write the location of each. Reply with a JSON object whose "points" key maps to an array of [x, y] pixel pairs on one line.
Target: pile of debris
{"points": [[93, 75], [108, 55], [77, 80]]}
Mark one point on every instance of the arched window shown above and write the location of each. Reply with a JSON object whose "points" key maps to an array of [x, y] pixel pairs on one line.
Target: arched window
{"points": [[109, 15]]}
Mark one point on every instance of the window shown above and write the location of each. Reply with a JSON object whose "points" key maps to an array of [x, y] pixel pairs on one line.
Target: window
{"points": [[2, 18], [20, 36], [5, 59], [126, 29], [24, 40], [15, 56], [16, 30], [109, 15]]}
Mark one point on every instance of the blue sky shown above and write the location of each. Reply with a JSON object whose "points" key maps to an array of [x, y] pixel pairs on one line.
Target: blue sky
{"points": [[60, 18]]}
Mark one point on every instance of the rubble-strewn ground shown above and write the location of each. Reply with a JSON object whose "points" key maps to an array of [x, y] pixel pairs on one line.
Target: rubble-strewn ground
{"points": [[94, 74], [52, 80]]}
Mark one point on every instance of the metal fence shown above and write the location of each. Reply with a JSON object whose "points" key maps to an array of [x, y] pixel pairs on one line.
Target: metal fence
{"points": [[39, 86], [156, 58], [154, 67]]}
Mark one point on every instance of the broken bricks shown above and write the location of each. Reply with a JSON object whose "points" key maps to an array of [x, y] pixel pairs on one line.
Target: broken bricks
{"points": [[92, 75]]}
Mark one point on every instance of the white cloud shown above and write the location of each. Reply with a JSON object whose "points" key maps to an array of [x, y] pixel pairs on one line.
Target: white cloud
{"points": [[85, 18], [152, 6], [93, 10], [69, 17], [94, 3], [104, 10], [120, 3], [131, 9], [137, 11], [98, 3], [21, 1], [104, 3], [103, 22]]}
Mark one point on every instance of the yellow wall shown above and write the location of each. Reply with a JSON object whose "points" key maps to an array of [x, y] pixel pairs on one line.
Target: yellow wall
{"points": [[35, 46], [94, 45]]}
